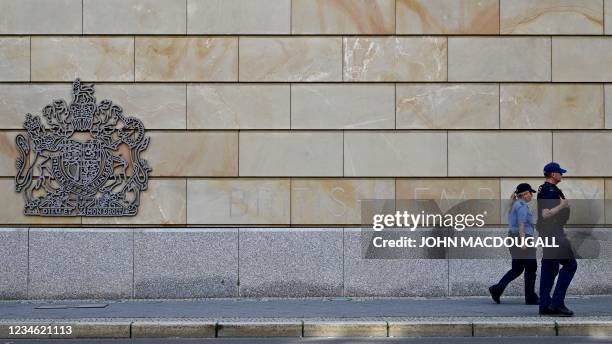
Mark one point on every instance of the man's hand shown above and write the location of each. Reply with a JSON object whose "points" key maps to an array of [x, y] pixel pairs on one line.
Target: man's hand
{"points": [[546, 213], [564, 204]]}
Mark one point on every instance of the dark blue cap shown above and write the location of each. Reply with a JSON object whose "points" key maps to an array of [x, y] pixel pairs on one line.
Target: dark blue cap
{"points": [[553, 167], [524, 187]]}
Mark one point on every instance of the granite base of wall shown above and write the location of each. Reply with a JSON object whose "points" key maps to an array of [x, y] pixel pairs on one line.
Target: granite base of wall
{"points": [[116, 263]]}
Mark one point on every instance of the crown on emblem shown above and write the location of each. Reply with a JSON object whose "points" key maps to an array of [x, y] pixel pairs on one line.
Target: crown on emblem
{"points": [[83, 106]]}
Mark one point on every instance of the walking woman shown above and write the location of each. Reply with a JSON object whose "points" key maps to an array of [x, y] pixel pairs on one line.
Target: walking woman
{"points": [[520, 221]]}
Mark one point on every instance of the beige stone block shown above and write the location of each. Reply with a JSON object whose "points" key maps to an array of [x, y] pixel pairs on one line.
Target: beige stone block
{"points": [[40, 17], [551, 17], [395, 154], [498, 153], [335, 201], [450, 192], [163, 203], [134, 17], [447, 106], [499, 59], [295, 154], [395, 58], [11, 211], [573, 188], [551, 106], [238, 201], [586, 197], [290, 58], [186, 58], [193, 154], [584, 153], [88, 58], [19, 99], [238, 106], [342, 106], [158, 106], [581, 59], [447, 188], [448, 17], [14, 58], [238, 16], [8, 153], [337, 17], [608, 111], [608, 16]]}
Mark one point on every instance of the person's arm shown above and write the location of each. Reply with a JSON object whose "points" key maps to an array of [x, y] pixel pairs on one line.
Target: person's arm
{"points": [[522, 218], [547, 213]]}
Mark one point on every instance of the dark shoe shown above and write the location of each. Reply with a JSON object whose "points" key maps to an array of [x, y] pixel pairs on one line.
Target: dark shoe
{"points": [[546, 311], [532, 300], [562, 311], [557, 311], [494, 294]]}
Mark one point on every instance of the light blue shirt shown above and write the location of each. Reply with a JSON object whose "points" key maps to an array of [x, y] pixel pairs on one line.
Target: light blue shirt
{"points": [[520, 213]]}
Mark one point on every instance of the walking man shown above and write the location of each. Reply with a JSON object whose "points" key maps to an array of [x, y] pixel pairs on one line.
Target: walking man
{"points": [[553, 213]]}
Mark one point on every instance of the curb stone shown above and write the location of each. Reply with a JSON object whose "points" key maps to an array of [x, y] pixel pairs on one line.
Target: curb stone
{"points": [[173, 328], [430, 329], [266, 327], [591, 328], [354, 328], [514, 328], [260, 329]]}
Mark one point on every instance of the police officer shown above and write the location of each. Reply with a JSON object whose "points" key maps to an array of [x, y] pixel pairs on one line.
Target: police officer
{"points": [[553, 213], [520, 221]]}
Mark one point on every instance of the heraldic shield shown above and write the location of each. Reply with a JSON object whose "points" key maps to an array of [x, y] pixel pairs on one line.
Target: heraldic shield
{"points": [[85, 161]]}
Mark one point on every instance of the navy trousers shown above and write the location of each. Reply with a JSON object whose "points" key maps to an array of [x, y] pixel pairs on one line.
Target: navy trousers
{"points": [[523, 260], [529, 267], [552, 258], [550, 270]]}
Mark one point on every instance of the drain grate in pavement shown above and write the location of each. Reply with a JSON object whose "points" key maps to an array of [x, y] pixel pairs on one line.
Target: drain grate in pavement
{"points": [[85, 305]]}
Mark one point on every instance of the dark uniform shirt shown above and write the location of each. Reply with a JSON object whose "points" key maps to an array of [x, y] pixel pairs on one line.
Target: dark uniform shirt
{"points": [[549, 196]]}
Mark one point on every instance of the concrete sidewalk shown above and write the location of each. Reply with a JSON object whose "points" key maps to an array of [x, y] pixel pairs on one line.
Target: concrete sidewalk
{"points": [[314, 317]]}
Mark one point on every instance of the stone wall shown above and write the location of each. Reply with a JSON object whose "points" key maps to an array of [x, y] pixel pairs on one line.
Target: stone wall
{"points": [[285, 113]]}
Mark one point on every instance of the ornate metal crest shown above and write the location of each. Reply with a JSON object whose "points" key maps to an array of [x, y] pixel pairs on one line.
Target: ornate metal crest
{"points": [[85, 161]]}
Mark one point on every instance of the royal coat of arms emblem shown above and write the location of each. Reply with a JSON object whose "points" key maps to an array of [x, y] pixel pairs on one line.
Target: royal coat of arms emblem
{"points": [[85, 161]]}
